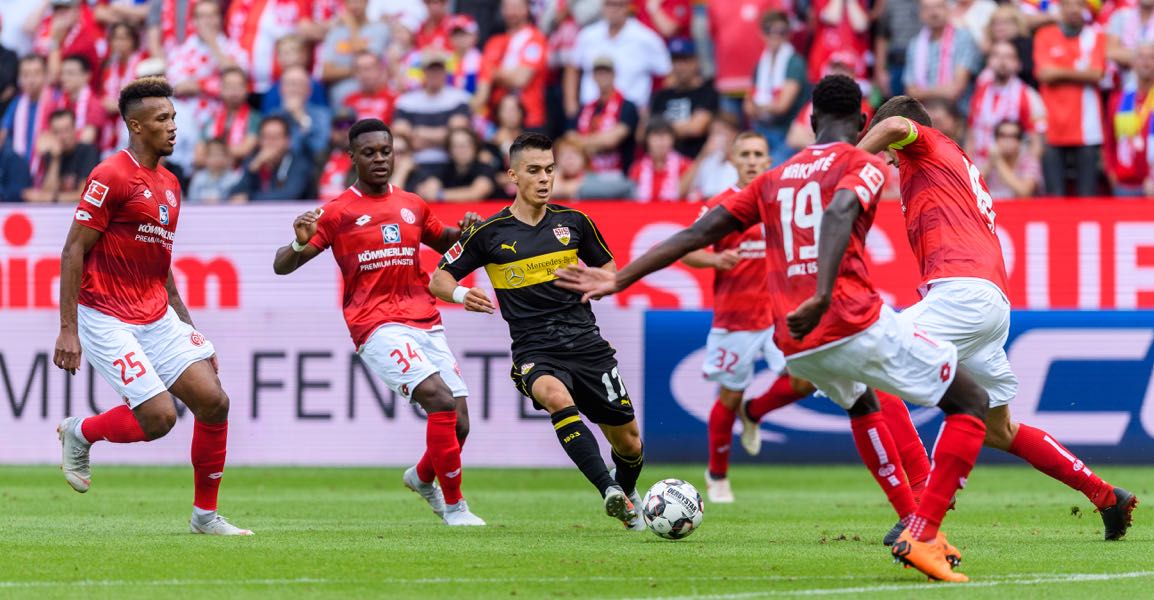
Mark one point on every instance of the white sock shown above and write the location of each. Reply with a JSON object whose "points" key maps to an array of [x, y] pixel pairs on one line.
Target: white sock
{"points": [[203, 516]]}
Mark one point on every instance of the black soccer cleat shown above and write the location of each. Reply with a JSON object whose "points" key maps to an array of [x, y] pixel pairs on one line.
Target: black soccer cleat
{"points": [[1118, 518], [894, 533]]}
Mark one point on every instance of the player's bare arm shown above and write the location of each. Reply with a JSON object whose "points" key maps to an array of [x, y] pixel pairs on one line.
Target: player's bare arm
{"points": [[705, 259], [290, 258], [175, 301], [890, 131], [80, 240], [836, 226], [451, 235], [447, 288], [596, 283]]}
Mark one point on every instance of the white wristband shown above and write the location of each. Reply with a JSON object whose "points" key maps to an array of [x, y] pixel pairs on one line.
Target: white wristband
{"points": [[459, 294], [298, 247]]}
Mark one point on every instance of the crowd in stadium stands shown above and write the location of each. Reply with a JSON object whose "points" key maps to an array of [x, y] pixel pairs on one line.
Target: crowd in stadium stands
{"points": [[1048, 97]]}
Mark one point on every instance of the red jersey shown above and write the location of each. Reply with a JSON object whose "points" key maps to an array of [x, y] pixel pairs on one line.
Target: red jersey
{"points": [[377, 105], [376, 242], [741, 299], [790, 200], [949, 211], [136, 209]]}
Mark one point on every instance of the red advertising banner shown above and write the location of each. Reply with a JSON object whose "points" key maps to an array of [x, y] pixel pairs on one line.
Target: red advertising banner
{"points": [[1060, 254]]}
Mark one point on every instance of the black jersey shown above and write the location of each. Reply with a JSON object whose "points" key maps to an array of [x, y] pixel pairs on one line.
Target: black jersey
{"points": [[521, 261]]}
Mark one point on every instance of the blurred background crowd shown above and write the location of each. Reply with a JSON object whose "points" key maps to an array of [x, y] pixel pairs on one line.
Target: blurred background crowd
{"points": [[1048, 97]]}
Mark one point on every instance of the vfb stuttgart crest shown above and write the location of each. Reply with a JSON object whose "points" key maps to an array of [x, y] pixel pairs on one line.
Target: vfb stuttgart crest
{"points": [[562, 234], [391, 233]]}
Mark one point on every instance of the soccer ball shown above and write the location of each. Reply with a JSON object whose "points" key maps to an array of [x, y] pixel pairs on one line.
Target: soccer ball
{"points": [[672, 509]]}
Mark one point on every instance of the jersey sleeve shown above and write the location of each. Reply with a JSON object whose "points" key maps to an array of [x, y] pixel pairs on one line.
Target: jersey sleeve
{"points": [[743, 205], [326, 228], [433, 228], [593, 250], [467, 255], [865, 176], [104, 191]]}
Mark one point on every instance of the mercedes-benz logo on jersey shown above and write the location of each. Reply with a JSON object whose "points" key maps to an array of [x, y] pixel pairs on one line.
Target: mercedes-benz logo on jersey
{"points": [[163, 214], [171, 197], [391, 233], [408, 216], [514, 276]]}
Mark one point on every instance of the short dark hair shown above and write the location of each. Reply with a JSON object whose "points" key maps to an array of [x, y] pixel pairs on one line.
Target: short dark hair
{"points": [[216, 141], [367, 126], [135, 92], [62, 112], [233, 70], [132, 33], [1011, 123], [468, 132], [903, 106], [36, 58], [773, 16], [529, 141], [80, 60], [282, 120], [837, 96], [659, 125]]}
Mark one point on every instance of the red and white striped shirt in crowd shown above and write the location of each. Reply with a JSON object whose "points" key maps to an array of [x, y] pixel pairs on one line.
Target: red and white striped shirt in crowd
{"points": [[85, 38], [116, 75], [993, 103], [659, 184], [256, 25]]}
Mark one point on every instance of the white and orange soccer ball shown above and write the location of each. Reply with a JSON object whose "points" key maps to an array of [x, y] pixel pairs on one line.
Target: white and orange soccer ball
{"points": [[672, 509]]}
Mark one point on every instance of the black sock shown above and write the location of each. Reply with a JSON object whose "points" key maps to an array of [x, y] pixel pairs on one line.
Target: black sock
{"points": [[628, 470], [581, 447]]}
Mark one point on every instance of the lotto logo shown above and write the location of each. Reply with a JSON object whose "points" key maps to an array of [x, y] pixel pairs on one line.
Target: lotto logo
{"points": [[95, 193], [946, 372], [83, 215], [363, 220], [405, 390], [197, 339]]}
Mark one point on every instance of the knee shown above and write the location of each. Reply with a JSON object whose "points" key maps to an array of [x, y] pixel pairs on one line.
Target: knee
{"points": [[801, 386], [730, 399], [157, 424], [214, 409], [629, 445], [434, 396], [553, 397], [462, 427]]}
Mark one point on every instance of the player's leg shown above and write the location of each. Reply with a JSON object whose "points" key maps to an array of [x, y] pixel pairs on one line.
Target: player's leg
{"points": [[552, 394], [915, 460], [720, 427], [785, 391], [423, 470], [729, 359]]}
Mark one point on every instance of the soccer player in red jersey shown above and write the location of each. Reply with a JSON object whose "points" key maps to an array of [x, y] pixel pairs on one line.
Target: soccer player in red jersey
{"points": [[830, 322], [950, 220], [376, 232], [119, 303]]}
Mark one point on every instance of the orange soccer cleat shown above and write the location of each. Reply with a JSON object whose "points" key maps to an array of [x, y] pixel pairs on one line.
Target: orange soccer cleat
{"points": [[953, 555], [927, 557]]}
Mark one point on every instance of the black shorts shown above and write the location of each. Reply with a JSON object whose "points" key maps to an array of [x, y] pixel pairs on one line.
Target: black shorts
{"points": [[592, 379]]}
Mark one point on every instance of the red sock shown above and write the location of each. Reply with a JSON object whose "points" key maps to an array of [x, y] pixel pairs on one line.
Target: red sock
{"points": [[720, 439], [880, 455], [209, 443], [1045, 454], [118, 426], [445, 453], [910, 447], [955, 453], [780, 394], [425, 470]]}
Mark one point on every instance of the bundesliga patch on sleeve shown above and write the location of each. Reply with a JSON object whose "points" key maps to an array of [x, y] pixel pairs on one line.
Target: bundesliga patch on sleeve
{"points": [[95, 193], [454, 253]]}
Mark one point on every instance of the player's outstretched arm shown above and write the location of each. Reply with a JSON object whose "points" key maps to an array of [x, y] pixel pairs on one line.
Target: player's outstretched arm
{"points": [[290, 258], [894, 130], [450, 235], [79, 241], [704, 259], [598, 283], [446, 287], [836, 227]]}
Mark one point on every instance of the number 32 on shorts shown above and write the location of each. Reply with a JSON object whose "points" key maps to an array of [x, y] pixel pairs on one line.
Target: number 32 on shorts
{"points": [[127, 363]]}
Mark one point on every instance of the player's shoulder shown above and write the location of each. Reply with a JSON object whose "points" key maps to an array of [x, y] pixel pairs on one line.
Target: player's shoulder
{"points": [[560, 209], [721, 197], [489, 226], [118, 168]]}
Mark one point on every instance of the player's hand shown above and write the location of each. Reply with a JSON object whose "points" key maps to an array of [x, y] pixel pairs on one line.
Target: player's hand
{"points": [[594, 284], [470, 219], [477, 301], [727, 260], [305, 226], [67, 354], [806, 316]]}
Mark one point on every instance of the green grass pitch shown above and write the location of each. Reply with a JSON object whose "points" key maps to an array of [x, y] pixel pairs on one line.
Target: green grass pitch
{"points": [[358, 533]]}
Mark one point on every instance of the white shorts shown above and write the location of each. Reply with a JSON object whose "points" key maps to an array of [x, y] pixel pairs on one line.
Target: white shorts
{"points": [[404, 356], [729, 356], [975, 316], [891, 355], [140, 361]]}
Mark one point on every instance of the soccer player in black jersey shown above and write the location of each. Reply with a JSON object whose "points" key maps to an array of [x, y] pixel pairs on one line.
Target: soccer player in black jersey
{"points": [[560, 359]]}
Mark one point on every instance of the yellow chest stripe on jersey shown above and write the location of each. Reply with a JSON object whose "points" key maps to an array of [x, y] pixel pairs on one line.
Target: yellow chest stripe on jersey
{"points": [[530, 271]]}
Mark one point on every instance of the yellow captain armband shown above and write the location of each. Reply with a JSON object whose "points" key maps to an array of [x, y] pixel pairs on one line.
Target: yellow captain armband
{"points": [[910, 137]]}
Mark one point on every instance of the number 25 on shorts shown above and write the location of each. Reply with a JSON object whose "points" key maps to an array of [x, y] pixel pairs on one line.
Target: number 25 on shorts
{"points": [[403, 360], [127, 363]]}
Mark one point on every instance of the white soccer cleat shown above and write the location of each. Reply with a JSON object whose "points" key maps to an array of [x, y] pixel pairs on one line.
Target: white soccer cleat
{"points": [[637, 523], [74, 450], [620, 507], [750, 432], [718, 490], [217, 525], [429, 491], [459, 515]]}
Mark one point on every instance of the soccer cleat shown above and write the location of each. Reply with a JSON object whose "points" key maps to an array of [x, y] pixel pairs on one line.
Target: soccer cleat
{"points": [[718, 490], [459, 515], [429, 491], [750, 432], [894, 532], [74, 450], [618, 506], [927, 557], [217, 525], [953, 555], [638, 522], [1116, 519]]}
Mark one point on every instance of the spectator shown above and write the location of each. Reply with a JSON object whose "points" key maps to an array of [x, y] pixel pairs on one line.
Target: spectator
{"points": [[1009, 25], [689, 101], [338, 174], [14, 176], [170, 24], [605, 126], [66, 161], [660, 175], [69, 29], [292, 51], [1011, 171], [1002, 96], [1128, 28], [407, 174], [27, 116], [373, 99], [465, 178], [124, 56], [1071, 60], [510, 124], [895, 32], [465, 61], [426, 115], [276, 171], [1128, 132], [780, 89], [947, 119], [712, 173], [76, 95], [570, 172], [352, 34], [801, 132], [517, 64], [405, 14], [434, 32], [256, 25], [130, 12], [19, 25], [311, 123], [9, 69], [669, 18], [942, 58], [233, 119], [837, 25], [974, 16], [212, 183], [638, 53], [735, 30]]}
